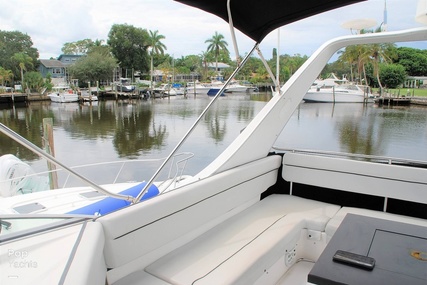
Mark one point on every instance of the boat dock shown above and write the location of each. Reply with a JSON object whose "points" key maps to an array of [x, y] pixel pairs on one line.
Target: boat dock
{"points": [[401, 101], [10, 98]]}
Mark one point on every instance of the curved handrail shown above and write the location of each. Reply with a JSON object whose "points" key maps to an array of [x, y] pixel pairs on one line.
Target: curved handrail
{"points": [[21, 140], [378, 158], [178, 172]]}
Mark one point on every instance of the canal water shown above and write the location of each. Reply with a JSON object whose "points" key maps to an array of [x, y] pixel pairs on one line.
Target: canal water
{"points": [[117, 131]]}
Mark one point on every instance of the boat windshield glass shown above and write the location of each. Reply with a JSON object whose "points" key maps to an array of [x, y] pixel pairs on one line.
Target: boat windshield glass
{"points": [[16, 226]]}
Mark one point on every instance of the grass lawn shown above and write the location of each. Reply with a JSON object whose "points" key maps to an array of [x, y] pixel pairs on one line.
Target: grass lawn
{"points": [[404, 92]]}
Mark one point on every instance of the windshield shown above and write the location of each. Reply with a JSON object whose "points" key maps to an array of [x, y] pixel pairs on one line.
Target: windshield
{"points": [[119, 157], [15, 226]]}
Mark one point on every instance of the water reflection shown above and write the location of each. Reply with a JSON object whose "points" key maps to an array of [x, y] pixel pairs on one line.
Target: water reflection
{"points": [[358, 128], [26, 121], [110, 130]]}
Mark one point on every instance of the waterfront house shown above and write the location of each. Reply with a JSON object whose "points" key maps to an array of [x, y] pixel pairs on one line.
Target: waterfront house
{"points": [[52, 66], [57, 67], [68, 59]]}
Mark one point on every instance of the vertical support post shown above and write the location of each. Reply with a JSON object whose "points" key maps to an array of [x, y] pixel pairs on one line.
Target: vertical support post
{"points": [[333, 92], [90, 92], [97, 89], [50, 149]]}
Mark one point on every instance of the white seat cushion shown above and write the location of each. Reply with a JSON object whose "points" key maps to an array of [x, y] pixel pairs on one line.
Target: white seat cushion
{"points": [[228, 250]]}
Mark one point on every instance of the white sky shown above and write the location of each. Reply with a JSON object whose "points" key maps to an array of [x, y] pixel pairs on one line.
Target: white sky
{"points": [[51, 23]]}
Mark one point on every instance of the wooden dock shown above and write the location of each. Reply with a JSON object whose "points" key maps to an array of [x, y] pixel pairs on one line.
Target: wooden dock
{"points": [[11, 98], [401, 101]]}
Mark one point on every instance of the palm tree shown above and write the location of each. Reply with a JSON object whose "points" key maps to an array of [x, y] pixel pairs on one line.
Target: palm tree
{"points": [[157, 47], [204, 58], [216, 44], [350, 55], [23, 60], [5, 75], [380, 53]]}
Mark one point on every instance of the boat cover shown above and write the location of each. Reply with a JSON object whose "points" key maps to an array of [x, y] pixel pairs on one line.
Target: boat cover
{"points": [[256, 18]]}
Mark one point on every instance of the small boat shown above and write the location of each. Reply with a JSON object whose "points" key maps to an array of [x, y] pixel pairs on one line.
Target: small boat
{"points": [[124, 85], [88, 96], [342, 93], [214, 91], [258, 214], [63, 94], [236, 87], [167, 89], [203, 88]]}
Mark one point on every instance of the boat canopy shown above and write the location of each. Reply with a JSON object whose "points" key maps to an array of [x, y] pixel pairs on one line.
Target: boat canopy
{"points": [[257, 19]]}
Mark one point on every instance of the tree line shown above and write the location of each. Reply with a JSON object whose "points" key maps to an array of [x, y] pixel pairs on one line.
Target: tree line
{"points": [[137, 49]]}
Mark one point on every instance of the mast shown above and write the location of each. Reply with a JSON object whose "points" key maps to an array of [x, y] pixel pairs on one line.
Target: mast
{"points": [[384, 25]]}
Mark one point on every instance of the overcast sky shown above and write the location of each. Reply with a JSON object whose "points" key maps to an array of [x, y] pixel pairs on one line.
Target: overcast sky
{"points": [[51, 23]]}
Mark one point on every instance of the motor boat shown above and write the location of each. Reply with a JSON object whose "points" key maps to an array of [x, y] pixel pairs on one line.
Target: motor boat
{"points": [[63, 94], [167, 89], [124, 85], [236, 87], [342, 93], [258, 214], [203, 88], [87, 96]]}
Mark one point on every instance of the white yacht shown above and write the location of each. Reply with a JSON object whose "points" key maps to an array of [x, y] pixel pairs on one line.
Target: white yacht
{"points": [[343, 93]]}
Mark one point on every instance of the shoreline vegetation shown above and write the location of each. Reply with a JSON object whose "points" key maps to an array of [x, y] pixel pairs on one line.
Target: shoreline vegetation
{"points": [[398, 92], [406, 92]]}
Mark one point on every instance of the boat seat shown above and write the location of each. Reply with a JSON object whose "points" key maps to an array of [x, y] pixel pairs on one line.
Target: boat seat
{"points": [[140, 278], [335, 222], [240, 249]]}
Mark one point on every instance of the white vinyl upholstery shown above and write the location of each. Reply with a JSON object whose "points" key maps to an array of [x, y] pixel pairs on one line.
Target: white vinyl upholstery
{"points": [[238, 250], [383, 180]]}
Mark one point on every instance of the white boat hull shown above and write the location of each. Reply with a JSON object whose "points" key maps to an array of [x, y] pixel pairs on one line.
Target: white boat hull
{"points": [[63, 97], [330, 97], [346, 93]]}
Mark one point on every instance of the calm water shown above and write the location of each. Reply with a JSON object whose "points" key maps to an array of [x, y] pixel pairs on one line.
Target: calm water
{"points": [[123, 130]]}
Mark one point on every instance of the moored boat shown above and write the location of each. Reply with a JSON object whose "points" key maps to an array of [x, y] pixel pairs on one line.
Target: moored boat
{"points": [[167, 89], [342, 93], [203, 88], [63, 94], [236, 87]]}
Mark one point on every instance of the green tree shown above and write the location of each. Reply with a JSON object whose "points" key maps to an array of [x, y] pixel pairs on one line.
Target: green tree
{"points": [[129, 46], [97, 65], [380, 53], [392, 75], [5, 75], [155, 42], [204, 68], [12, 43], [48, 82], [356, 56], [156, 46], [350, 56], [23, 60], [79, 47], [216, 45], [34, 81], [414, 60]]}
